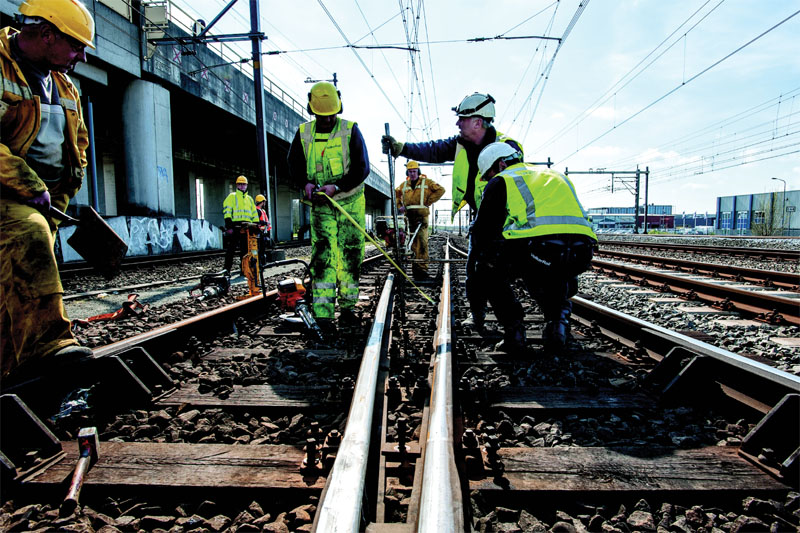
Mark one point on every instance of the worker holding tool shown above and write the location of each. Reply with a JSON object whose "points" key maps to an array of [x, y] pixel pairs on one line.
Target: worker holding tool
{"points": [[530, 225], [328, 158], [43, 142], [475, 115], [413, 198], [239, 212]]}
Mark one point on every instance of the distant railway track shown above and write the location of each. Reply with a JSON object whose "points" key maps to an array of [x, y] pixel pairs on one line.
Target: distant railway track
{"points": [[767, 278], [724, 250], [443, 433]]}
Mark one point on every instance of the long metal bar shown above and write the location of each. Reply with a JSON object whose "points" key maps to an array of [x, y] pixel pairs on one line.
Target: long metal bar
{"points": [[91, 155], [221, 14], [441, 508], [340, 508], [261, 132]]}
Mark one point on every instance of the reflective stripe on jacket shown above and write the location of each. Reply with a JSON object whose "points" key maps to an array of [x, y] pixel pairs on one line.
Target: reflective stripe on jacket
{"points": [[239, 207], [20, 118], [461, 175], [333, 161], [541, 202], [415, 197]]}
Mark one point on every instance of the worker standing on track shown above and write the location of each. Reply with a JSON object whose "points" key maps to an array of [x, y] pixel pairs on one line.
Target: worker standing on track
{"points": [[530, 225], [43, 142], [264, 226], [413, 198], [475, 115], [239, 211], [328, 156]]}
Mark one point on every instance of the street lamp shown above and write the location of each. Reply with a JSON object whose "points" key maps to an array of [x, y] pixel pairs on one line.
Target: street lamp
{"points": [[783, 205]]}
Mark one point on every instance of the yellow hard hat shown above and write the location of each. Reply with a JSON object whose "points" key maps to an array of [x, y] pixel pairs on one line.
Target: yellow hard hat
{"points": [[241, 179], [324, 99], [69, 16], [412, 164], [260, 198]]}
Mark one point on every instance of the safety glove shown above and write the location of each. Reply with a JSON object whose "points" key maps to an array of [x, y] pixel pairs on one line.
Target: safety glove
{"points": [[390, 145], [309, 190], [40, 202]]}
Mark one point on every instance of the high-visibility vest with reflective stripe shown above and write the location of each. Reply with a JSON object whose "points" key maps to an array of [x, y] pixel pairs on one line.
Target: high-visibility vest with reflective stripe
{"points": [[333, 161], [541, 202], [239, 207], [423, 184], [461, 174]]}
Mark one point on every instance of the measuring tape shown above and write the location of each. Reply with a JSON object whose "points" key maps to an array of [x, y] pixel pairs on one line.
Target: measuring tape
{"points": [[381, 250]]}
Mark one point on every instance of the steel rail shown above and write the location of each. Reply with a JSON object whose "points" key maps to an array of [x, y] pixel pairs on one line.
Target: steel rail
{"points": [[745, 301], [340, 507], [441, 507], [789, 280], [729, 250], [661, 340]]}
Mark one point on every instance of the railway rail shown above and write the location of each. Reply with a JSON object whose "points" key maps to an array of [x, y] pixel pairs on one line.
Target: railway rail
{"points": [[766, 278], [765, 253], [768, 307], [442, 433]]}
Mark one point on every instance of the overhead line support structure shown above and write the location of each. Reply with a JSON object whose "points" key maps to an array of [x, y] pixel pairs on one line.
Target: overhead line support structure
{"points": [[628, 177], [256, 36]]}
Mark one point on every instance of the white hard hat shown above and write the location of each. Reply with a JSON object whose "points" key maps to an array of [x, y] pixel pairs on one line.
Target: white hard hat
{"points": [[476, 105], [492, 153]]}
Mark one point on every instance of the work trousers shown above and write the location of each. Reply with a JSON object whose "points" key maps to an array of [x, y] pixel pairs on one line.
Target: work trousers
{"points": [[475, 291], [419, 247], [549, 266], [337, 251], [33, 321], [237, 241]]}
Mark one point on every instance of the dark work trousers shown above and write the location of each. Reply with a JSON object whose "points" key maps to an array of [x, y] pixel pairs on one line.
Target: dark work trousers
{"points": [[476, 292], [549, 267], [237, 241]]}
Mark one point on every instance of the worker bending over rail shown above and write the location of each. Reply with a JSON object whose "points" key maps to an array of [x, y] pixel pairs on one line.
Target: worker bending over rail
{"points": [[529, 225], [328, 156], [43, 142], [413, 198], [475, 115]]}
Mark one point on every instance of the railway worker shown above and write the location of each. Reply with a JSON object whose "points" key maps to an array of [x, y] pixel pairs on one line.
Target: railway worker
{"points": [[530, 225], [239, 211], [43, 141], [475, 115], [413, 198], [263, 220], [328, 156]]}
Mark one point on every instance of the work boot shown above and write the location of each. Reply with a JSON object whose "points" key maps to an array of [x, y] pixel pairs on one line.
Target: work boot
{"points": [[513, 342], [421, 275], [476, 321], [555, 334], [328, 327]]}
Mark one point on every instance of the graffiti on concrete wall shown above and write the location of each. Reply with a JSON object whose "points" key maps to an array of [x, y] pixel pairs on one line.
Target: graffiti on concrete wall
{"points": [[153, 236]]}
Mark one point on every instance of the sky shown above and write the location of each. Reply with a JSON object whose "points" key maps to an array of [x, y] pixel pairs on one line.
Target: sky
{"points": [[703, 93]]}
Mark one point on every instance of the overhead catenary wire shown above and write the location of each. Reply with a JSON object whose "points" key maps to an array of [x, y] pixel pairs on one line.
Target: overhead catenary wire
{"points": [[683, 84]]}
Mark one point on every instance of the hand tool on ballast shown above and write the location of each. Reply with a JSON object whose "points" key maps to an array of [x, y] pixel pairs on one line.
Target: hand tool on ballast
{"points": [[94, 240], [212, 285], [87, 445], [290, 294]]}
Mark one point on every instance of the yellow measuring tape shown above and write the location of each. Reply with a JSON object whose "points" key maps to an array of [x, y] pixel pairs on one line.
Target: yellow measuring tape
{"points": [[373, 241]]}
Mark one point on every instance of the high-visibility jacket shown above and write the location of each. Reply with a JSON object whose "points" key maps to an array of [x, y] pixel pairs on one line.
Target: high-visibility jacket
{"points": [[541, 202], [239, 207], [20, 118], [461, 175], [419, 197], [333, 161]]}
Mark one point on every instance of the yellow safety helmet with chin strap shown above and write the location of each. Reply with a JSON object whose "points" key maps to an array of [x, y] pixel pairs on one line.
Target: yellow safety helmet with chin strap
{"points": [[412, 164], [324, 99], [70, 17], [240, 180], [260, 198]]}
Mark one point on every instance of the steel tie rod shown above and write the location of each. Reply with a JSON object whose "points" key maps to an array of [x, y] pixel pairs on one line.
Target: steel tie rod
{"points": [[340, 508]]}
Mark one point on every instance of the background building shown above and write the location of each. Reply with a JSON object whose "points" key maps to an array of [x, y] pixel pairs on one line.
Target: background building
{"points": [[769, 213]]}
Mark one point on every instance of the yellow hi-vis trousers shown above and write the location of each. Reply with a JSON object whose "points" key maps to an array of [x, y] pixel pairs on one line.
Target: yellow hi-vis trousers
{"points": [[33, 321]]}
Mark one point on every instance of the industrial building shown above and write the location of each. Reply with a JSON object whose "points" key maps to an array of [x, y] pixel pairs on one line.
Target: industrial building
{"points": [[769, 213], [171, 130]]}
